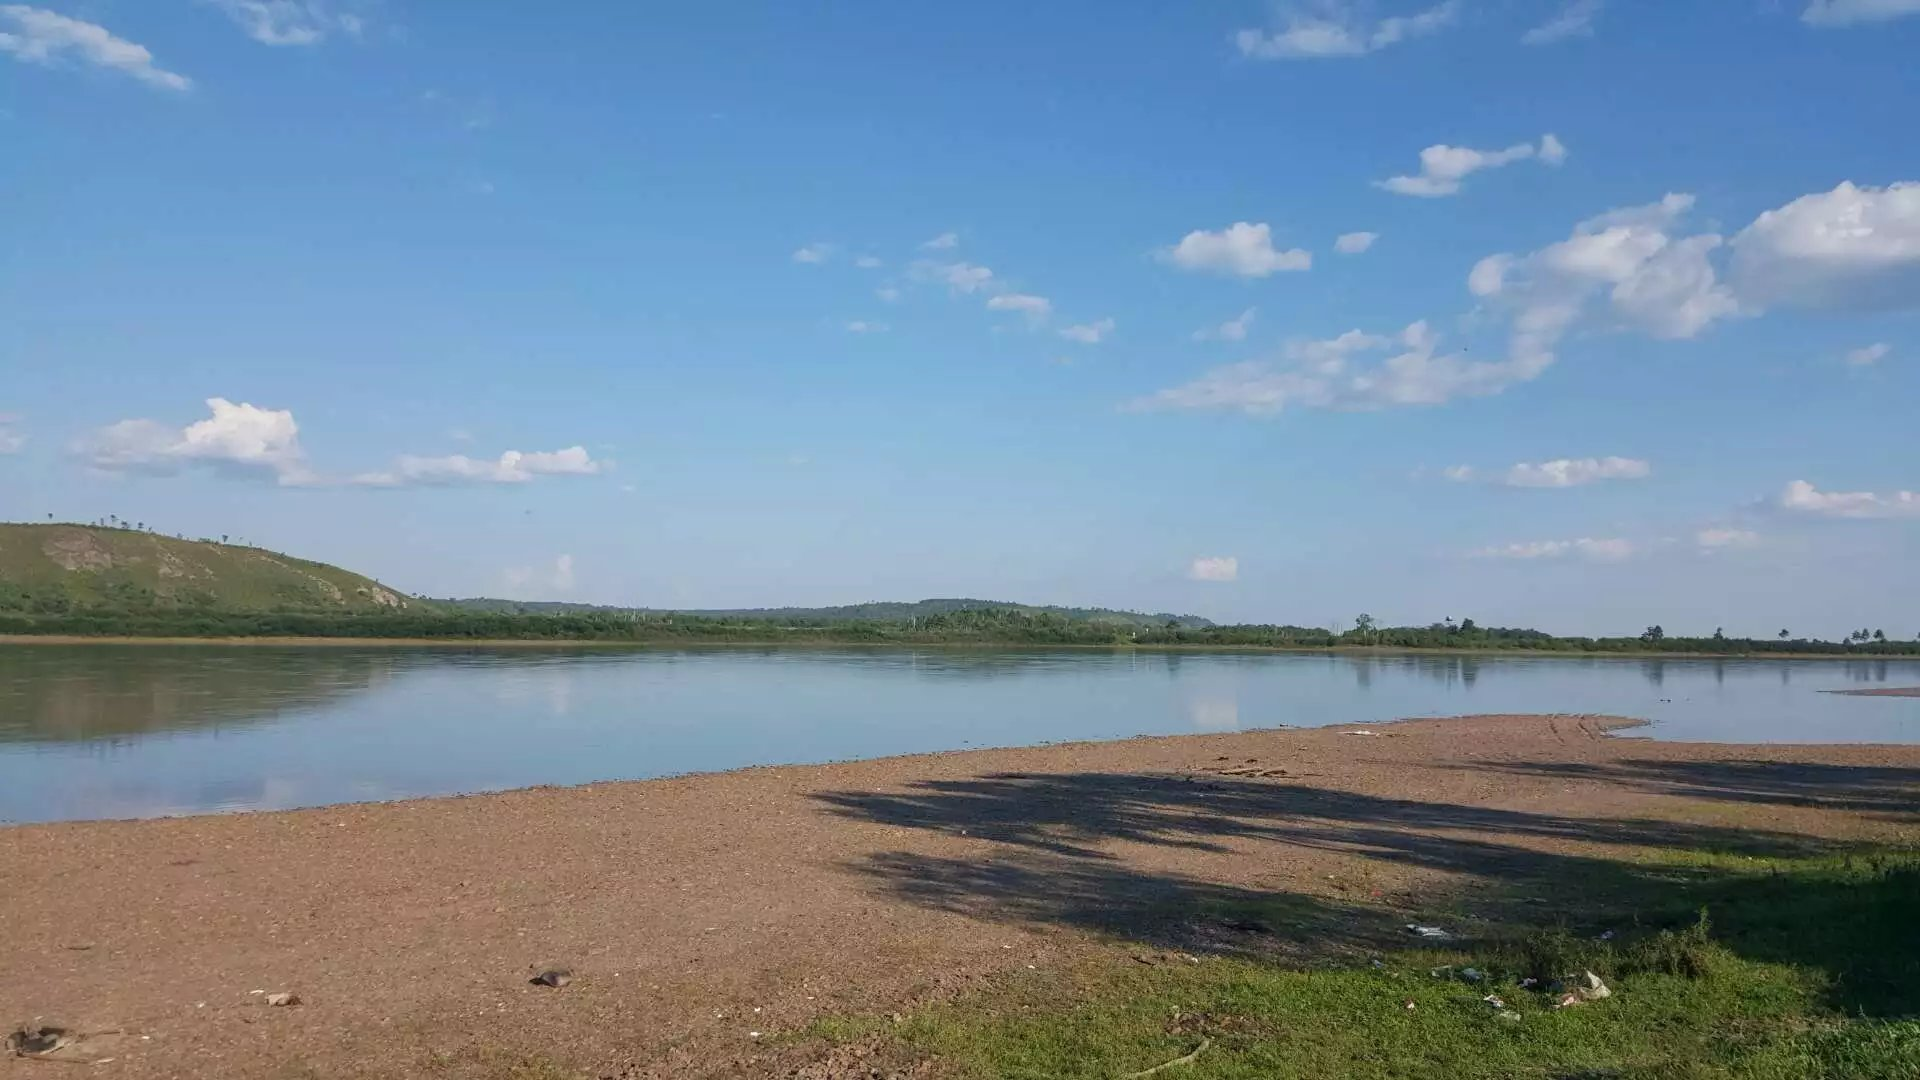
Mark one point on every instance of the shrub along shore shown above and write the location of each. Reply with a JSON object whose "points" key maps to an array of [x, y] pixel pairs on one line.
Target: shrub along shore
{"points": [[966, 627]]}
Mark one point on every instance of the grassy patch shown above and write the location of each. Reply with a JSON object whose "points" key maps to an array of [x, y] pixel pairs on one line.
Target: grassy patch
{"points": [[1720, 966]]}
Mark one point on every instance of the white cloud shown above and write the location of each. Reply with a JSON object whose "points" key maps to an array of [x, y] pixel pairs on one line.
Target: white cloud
{"points": [[862, 326], [1867, 355], [1033, 307], [1354, 243], [1804, 498], [867, 262], [288, 22], [1325, 375], [1725, 539], [815, 253], [1573, 472], [1214, 568], [529, 582], [1853, 12], [245, 438], [1574, 20], [1849, 248], [946, 241], [1611, 549], [512, 467], [240, 437], [1459, 474], [11, 441], [1234, 329], [887, 294], [1652, 282], [961, 277], [39, 36], [1092, 333], [1332, 28], [1241, 249], [1443, 167]]}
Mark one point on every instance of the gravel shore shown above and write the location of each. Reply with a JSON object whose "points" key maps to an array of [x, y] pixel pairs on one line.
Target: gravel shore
{"points": [[704, 917]]}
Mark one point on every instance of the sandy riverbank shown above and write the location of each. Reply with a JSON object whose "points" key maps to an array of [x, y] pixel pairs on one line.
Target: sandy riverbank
{"points": [[698, 911]]}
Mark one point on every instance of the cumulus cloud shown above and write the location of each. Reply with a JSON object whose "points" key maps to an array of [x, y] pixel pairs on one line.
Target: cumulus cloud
{"points": [[961, 277], [1849, 248], [1573, 472], [867, 262], [1033, 307], [1710, 540], [1802, 497], [1337, 374], [1574, 20], [247, 439], [1234, 329], [946, 241], [1443, 167], [11, 441], [288, 22], [1354, 243], [37, 36], [887, 294], [863, 326], [1648, 279], [1242, 249], [512, 467], [1612, 549], [1333, 28], [814, 253], [1458, 474], [1855, 12], [1868, 355], [1092, 333], [1214, 568], [238, 437]]}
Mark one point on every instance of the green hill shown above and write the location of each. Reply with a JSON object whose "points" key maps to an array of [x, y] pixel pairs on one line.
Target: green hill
{"points": [[59, 569], [885, 611]]}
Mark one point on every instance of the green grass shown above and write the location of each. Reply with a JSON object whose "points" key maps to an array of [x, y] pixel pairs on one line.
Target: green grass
{"points": [[57, 569], [1797, 968]]}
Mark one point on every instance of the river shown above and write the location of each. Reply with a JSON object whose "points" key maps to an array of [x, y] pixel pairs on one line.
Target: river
{"points": [[95, 731]]}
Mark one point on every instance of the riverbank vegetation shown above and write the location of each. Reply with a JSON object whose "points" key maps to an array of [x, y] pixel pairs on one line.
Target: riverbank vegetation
{"points": [[985, 627], [117, 579], [991, 626], [1714, 965]]}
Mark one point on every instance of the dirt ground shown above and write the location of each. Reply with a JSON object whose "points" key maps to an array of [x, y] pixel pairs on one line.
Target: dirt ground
{"points": [[706, 917]]}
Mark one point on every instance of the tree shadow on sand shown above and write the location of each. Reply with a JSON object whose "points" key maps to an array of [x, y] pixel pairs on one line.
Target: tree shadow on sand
{"points": [[1885, 792], [1060, 843]]}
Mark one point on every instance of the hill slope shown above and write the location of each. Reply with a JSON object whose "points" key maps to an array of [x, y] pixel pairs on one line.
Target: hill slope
{"points": [[885, 611], [51, 569]]}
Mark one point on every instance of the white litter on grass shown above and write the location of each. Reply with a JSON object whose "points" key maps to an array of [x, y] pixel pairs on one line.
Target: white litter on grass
{"points": [[1431, 932]]}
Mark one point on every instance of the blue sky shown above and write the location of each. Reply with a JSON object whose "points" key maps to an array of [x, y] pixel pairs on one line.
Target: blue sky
{"points": [[1581, 315]]}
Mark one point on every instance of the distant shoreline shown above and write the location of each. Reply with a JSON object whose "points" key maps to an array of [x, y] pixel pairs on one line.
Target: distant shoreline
{"points": [[817, 643]]}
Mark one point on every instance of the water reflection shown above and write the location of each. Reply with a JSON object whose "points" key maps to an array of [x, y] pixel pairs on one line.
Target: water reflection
{"points": [[138, 730], [108, 692]]}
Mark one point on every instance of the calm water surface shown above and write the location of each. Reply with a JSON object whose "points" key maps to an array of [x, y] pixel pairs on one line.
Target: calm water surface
{"points": [[136, 731]]}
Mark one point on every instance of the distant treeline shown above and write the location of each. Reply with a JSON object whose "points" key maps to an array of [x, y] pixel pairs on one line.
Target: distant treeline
{"points": [[885, 612], [970, 626]]}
